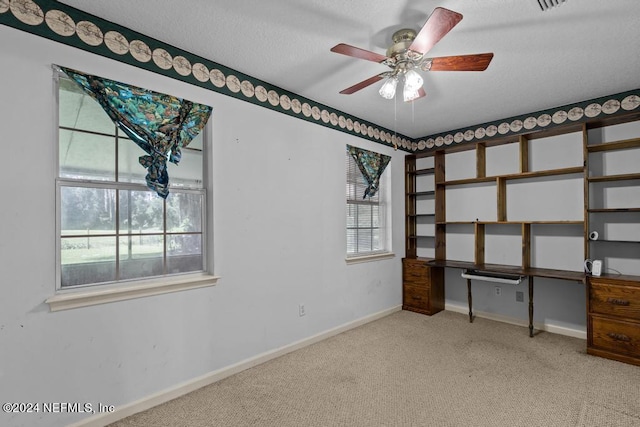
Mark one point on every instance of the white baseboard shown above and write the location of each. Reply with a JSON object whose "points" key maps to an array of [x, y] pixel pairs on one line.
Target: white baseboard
{"points": [[554, 329], [100, 420]]}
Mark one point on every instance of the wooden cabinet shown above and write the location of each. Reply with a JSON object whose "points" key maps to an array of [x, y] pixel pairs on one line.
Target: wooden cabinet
{"points": [[423, 286], [613, 328]]}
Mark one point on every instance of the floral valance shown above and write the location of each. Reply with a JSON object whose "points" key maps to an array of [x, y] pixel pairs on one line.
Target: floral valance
{"points": [[372, 165], [160, 124]]}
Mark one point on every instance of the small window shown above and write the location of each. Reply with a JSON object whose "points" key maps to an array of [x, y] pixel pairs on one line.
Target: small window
{"points": [[111, 227], [366, 216]]}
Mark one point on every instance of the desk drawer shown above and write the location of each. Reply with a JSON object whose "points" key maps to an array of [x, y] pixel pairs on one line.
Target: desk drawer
{"points": [[417, 273], [415, 296], [614, 299], [616, 336], [418, 282]]}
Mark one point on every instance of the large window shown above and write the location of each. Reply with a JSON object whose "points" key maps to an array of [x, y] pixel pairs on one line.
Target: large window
{"points": [[366, 216], [111, 226]]}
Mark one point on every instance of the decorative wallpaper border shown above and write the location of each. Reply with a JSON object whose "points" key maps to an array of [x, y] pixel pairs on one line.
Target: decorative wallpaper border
{"points": [[59, 22], [70, 26], [595, 109]]}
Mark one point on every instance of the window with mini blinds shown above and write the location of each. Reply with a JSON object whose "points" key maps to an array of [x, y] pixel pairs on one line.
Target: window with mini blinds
{"points": [[111, 226], [367, 203]]}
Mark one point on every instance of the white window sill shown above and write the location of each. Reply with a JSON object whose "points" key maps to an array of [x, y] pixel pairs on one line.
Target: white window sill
{"points": [[369, 258], [65, 300]]}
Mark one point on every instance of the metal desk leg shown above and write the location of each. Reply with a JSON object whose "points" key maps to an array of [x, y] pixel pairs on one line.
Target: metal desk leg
{"points": [[531, 306], [470, 300]]}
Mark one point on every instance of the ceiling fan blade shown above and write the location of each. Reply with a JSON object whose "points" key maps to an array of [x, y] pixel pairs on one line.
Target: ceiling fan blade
{"points": [[478, 62], [356, 52], [421, 94], [362, 84], [439, 23]]}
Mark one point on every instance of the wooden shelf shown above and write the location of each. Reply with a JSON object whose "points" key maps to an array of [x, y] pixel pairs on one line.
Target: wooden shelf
{"points": [[425, 171], [422, 193], [513, 222], [420, 237], [610, 210], [617, 145], [551, 172], [418, 215], [455, 222], [621, 177], [523, 175], [614, 241], [468, 181], [576, 276]]}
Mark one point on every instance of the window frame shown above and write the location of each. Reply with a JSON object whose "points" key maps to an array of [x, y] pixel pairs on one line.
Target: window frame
{"points": [[384, 209], [74, 296], [125, 186]]}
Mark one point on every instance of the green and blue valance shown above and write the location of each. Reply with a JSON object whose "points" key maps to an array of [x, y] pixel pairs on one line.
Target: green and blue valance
{"points": [[160, 124], [372, 165]]}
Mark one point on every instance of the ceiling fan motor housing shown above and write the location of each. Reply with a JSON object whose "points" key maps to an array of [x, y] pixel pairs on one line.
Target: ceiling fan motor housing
{"points": [[402, 59], [402, 39]]}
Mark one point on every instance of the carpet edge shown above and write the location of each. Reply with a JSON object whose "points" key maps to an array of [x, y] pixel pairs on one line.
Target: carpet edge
{"points": [[148, 402]]}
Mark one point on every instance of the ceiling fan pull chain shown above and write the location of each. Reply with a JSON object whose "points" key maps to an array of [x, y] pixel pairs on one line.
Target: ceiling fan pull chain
{"points": [[395, 123]]}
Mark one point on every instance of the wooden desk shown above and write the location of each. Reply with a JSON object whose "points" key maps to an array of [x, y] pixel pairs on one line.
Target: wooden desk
{"points": [[575, 276]]}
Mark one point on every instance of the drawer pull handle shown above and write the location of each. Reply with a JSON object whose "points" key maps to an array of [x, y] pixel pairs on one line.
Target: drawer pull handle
{"points": [[619, 337], [416, 298], [616, 301]]}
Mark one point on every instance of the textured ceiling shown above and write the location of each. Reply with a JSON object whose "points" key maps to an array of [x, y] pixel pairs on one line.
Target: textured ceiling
{"points": [[581, 50]]}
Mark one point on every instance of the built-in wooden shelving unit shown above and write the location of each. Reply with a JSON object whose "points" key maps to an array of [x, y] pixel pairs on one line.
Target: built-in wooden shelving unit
{"points": [[613, 299], [441, 184], [438, 239]]}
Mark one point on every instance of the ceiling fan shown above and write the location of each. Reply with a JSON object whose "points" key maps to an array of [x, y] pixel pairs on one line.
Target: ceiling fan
{"points": [[407, 54]]}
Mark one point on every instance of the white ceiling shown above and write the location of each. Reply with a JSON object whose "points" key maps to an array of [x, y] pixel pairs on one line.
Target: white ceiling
{"points": [[580, 50]]}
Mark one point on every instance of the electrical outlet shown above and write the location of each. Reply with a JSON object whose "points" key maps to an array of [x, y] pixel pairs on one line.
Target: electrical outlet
{"points": [[497, 290], [301, 310], [519, 296]]}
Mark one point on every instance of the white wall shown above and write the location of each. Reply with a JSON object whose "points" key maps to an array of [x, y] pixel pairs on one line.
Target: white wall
{"points": [[279, 221]]}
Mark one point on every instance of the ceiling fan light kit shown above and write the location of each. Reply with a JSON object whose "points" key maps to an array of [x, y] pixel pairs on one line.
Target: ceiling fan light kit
{"points": [[412, 81], [412, 84], [409, 94], [408, 54], [388, 89]]}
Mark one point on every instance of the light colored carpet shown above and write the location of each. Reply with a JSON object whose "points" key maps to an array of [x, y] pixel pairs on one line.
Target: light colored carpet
{"points": [[413, 370]]}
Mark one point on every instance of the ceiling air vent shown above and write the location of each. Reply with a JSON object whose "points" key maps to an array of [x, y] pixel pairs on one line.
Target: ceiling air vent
{"points": [[548, 4]]}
